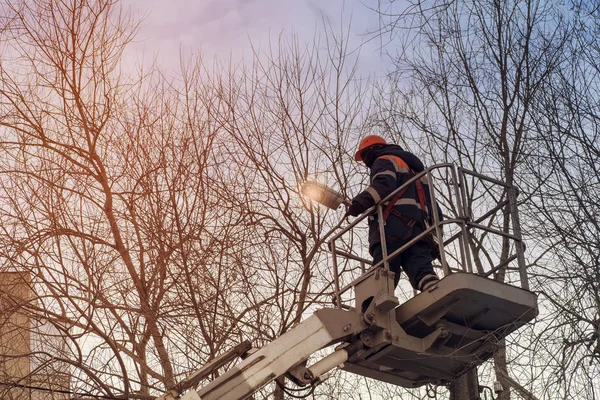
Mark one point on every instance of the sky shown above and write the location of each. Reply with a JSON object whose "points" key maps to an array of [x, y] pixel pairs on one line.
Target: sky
{"points": [[224, 28]]}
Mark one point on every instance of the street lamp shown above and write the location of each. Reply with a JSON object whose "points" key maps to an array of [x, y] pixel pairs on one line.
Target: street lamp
{"points": [[324, 195]]}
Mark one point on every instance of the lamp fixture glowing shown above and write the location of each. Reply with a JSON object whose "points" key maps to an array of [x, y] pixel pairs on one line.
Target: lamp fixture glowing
{"points": [[323, 195]]}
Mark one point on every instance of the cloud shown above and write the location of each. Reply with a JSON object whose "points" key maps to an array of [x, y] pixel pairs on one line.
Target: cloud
{"points": [[226, 27]]}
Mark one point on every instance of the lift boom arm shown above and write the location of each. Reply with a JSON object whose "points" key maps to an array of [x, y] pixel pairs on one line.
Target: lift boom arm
{"points": [[324, 328], [432, 338]]}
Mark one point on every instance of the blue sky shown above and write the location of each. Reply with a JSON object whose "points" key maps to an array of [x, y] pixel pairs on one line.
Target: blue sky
{"points": [[227, 27]]}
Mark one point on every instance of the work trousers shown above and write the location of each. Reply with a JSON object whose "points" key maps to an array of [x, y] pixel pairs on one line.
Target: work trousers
{"points": [[415, 260]]}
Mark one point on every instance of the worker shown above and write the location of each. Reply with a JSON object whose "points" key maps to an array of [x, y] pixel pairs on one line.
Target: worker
{"points": [[390, 167]]}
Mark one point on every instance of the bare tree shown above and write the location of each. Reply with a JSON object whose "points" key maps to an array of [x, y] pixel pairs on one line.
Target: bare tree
{"points": [[467, 77], [159, 219], [564, 211], [107, 202], [290, 117]]}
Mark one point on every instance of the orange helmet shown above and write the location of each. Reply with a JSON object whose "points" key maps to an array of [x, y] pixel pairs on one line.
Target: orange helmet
{"points": [[367, 142]]}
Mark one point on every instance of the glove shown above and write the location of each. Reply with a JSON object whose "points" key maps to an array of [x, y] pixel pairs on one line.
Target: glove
{"points": [[354, 210]]}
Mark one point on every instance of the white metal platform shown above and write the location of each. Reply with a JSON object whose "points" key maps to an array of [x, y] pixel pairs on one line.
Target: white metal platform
{"points": [[472, 313]]}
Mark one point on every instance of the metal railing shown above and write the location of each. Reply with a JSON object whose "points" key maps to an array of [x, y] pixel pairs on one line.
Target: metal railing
{"points": [[460, 198]]}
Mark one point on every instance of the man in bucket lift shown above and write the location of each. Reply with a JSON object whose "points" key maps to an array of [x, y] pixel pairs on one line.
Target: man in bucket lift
{"points": [[405, 215]]}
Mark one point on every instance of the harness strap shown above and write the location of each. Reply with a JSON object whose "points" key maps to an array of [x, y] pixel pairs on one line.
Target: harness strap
{"points": [[409, 222], [388, 208], [421, 194], [399, 165]]}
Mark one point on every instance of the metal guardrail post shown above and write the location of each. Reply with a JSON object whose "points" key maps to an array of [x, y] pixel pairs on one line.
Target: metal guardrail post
{"points": [[336, 275], [437, 225], [512, 193], [381, 222], [463, 215]]}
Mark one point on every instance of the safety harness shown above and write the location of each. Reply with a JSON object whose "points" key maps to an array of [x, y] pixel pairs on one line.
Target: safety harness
{"points": [[410, 222], [420, 193]]}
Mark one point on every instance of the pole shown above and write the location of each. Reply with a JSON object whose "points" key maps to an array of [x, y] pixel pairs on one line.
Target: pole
{"points": [[466, 387]]}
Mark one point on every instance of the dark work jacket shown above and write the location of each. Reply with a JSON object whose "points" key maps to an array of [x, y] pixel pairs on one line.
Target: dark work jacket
{"points": [[391, 168]]}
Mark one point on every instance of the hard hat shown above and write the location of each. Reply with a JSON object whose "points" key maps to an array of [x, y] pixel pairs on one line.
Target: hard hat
{"points": [[367, 142]]}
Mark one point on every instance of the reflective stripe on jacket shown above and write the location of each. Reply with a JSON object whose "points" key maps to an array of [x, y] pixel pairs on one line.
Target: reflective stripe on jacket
{"points": [[388, 173]]}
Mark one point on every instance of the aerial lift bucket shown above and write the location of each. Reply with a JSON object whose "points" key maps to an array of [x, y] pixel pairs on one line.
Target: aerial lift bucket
{"points": [[454, 326]]}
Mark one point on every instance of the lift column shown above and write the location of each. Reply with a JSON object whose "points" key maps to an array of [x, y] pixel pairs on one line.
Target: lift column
{"points": [[466, 387]]}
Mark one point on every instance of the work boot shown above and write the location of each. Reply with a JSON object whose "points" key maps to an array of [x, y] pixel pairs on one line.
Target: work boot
{"points": [[427, 282]]}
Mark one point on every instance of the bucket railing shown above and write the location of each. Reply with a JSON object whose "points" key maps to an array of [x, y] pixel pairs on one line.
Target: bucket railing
{"points": [[462, 187]]}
